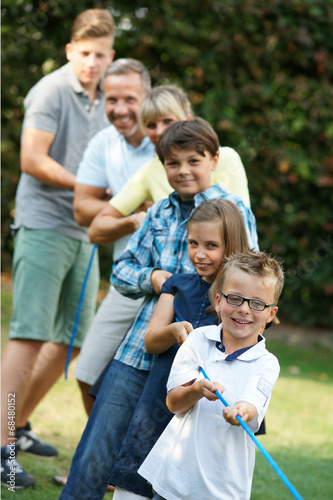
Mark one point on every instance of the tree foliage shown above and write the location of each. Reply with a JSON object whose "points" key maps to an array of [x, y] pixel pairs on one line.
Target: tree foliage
{"points": [[260, 72]]}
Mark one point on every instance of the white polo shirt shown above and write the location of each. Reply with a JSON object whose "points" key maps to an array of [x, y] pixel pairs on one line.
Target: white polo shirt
{"points": [[200, 456]]}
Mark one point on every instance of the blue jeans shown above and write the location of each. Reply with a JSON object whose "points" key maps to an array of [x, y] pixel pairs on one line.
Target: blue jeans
{"points": [[104, 433]]}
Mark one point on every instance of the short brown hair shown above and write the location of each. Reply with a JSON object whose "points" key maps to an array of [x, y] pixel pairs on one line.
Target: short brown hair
{"points": [[92, 23], [194, 134], [125, 66], [258, 264]]}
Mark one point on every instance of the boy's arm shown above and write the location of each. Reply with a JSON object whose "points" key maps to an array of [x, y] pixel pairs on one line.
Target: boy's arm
{"points": [[109, 225], [131, 274], [184, 397], [162, 332], [35, 159], [246, 411]]}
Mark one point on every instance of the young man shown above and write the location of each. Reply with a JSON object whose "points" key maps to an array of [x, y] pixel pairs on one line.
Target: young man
{"points": [[156, 250], [110, 159], [199, 455], [62, 112]]}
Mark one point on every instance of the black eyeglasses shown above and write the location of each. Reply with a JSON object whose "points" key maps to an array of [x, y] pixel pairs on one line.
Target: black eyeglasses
{"points": [[237, 300]]}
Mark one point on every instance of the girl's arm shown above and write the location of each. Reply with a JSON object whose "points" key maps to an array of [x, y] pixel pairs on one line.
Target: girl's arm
{"points": [[183, 397], [163, 331]]}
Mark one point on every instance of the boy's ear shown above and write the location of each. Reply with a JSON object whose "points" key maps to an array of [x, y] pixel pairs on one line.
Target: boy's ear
{"points": [[189, 117], [271, 316], [215, 160], [112, 54], [69, 51]]}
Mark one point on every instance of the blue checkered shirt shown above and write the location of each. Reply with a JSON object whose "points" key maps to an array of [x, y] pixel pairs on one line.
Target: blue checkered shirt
{"points": [[161, 243]]}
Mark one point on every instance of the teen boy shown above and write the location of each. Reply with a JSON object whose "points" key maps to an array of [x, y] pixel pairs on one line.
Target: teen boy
{"points": [[62, 112], [199, 455], [188, 150]]}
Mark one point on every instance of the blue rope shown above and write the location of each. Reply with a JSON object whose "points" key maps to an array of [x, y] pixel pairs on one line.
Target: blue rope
{"points": [[269, 459], [78, 311]]}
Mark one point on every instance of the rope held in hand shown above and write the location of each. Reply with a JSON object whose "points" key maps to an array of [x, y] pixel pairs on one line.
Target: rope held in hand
{"points": [[269, 459]]}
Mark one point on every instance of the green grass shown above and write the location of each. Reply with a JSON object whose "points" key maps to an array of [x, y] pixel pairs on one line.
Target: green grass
{"points": [[299, 426]]}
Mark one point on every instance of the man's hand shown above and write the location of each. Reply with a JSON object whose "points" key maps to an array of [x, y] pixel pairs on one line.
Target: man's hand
{"points": [[158, 277]]}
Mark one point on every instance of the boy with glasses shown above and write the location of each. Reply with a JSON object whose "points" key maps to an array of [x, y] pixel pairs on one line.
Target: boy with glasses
{"points": [[203, 451]]}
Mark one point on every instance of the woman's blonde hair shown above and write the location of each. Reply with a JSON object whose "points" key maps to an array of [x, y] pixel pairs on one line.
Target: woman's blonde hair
{"points": [[163, 101]]}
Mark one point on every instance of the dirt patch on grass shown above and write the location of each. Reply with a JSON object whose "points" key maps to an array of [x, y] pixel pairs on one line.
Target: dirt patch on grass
{"points": [[303, 337]]}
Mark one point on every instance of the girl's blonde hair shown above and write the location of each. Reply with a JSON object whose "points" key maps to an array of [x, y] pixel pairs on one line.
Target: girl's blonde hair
{"points": [[224, 213], [163, 101]]}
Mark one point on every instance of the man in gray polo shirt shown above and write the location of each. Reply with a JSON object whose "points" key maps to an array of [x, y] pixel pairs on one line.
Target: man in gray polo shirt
{"points": [[62, 112]]}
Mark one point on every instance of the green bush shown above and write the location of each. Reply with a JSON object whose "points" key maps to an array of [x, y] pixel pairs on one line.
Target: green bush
{"points": [[259, 71]]}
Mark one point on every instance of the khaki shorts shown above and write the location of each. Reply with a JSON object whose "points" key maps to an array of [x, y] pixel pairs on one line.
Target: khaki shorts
{"points": [[48, 273], [110, 325]]}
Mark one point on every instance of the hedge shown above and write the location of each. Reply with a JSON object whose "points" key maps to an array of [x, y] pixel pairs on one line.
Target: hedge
{"points": [[260, 72]]}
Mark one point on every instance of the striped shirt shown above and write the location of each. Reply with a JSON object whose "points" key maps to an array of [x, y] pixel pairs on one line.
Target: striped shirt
{"points": [[161, 243]]}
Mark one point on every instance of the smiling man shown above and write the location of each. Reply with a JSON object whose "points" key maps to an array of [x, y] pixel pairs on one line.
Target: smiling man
{"points": [[111, 158], [115, 153]]}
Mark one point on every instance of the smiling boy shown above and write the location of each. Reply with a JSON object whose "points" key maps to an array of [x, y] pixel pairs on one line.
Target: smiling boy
{"points": [[200, 455], [51, 251], [155, 251]]}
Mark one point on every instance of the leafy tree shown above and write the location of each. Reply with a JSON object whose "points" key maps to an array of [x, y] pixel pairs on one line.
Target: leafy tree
{"points": [[260, 72]]}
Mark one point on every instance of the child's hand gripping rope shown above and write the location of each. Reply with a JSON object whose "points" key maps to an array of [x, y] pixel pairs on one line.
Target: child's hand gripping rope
{"points": [[269, 459]]}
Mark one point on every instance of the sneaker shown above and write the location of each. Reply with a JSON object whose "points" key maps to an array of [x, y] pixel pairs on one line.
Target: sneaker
{"points": [[12, 473], [26, 440]]}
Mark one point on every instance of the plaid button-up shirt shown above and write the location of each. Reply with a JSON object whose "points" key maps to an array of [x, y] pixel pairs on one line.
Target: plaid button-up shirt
{"points": [[161, 243]]}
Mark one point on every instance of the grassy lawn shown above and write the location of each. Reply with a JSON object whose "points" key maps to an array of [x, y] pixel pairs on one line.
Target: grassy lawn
{"points": [[299, 426]]}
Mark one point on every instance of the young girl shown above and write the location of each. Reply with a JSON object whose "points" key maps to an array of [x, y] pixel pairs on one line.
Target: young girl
{"points": [[215, 230]]}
